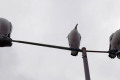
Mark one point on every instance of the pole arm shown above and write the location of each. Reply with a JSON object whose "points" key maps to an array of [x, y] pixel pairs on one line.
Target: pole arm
{"points": [[57, 47]]}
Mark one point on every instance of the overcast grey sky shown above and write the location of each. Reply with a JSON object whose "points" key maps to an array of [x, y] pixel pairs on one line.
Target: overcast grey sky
{"points": [[50, 21]]}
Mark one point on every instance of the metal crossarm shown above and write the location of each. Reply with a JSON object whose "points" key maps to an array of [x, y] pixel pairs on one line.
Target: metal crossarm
{"points": [[47, 45], [57, 47], [97, 51]]}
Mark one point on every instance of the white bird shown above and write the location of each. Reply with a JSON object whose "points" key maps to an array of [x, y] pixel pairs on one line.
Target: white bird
{"points": [[5, 27], [114, 48], [5, 31], [74, 39]]}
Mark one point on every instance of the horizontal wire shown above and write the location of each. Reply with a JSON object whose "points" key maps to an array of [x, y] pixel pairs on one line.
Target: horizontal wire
{"points": [[57, 47], [97, 51]]}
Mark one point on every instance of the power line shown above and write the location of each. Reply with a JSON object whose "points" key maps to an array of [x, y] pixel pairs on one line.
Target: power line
{"points": [[57, 47]]}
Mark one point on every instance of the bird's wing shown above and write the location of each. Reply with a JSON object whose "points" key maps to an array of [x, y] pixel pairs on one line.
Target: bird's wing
{"points": [[10, 30], [111, 36], [69, 39], [110, 41], [79, 38]]}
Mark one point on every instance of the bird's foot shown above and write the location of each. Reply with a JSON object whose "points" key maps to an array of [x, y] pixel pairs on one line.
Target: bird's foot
{"points": [[112, 56], [118, 54]]}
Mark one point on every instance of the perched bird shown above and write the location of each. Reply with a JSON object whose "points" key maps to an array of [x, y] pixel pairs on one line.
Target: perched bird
{"points": [[5, 32], [74, 39], [114, 48], [5, 27]]}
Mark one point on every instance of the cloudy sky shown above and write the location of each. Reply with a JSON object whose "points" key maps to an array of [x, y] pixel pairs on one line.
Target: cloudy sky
{"points": [[50, 21]]}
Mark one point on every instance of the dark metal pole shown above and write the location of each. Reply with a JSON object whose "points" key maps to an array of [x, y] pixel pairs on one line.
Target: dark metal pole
{"points": [[85, 62]]}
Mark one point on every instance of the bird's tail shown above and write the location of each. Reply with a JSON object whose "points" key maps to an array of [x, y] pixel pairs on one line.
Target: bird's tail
{"points": [[74, 53]]}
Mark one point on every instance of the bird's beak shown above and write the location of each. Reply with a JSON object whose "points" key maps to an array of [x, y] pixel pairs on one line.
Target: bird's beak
{"points": [[76, 26]]}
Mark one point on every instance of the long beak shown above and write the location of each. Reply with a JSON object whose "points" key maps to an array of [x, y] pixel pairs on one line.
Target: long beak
{"points": [[76, 26]]}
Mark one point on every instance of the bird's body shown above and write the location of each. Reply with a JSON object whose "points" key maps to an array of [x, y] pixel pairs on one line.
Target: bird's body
{"points": [[114, 48], [5, 27], [5, 32], [74, 40]]}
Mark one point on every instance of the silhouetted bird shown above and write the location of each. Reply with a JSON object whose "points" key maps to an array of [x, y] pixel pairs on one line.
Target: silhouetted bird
{"points": [[114, 48], [5, 27], [74, 39], [5, 32]]}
